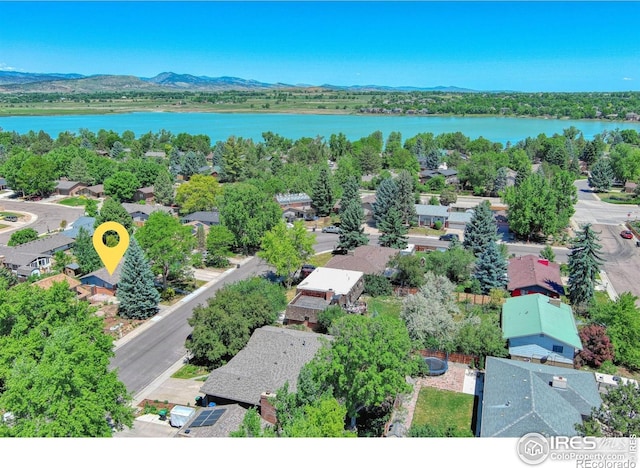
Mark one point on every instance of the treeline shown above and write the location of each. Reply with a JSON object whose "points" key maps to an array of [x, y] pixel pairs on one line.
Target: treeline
{"points": [[596, 105]]}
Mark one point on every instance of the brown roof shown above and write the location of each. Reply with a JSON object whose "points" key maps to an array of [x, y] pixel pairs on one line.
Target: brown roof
{"points": [[369, 259], [530, 270], [46, 283]]}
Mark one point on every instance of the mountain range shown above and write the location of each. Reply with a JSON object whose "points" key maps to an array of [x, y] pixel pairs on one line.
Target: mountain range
{"points": [[20, 82]]}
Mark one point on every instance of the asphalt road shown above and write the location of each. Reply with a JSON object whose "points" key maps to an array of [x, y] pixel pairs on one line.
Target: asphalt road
{"points": [[50, 215]]}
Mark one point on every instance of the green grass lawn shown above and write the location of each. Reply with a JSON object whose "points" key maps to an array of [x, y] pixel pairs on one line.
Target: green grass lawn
{"points": [[189, 371], [619, 198], [9, 213], [320, 259], [384, 305], [443, 408], [74, 201]]}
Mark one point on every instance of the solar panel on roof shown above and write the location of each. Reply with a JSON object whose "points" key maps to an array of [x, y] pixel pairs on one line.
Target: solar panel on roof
{"points": [[207, 418]]}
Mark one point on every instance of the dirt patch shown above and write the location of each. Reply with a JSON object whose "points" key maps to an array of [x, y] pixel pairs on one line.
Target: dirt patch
{"points": [[115, 325]]}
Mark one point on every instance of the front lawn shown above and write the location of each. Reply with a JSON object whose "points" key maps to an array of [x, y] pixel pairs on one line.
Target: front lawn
{"points": [[189, 371], [618, 197], [320, 259], [73, 201], [442, 409]]}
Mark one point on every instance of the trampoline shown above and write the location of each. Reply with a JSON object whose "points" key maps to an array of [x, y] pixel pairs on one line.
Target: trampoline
{"points": [[436, 366]]}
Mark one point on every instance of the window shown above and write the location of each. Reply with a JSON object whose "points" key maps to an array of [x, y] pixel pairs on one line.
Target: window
{"points": [[558, 349]]}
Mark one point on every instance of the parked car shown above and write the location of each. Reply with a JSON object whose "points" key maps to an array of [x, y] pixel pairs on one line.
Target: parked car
{"points": [[11, 218], [331, 229], [626, 235], [449, 237], [306, 270]]}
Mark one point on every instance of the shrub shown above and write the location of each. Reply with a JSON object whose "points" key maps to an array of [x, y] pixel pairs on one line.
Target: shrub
{"points": [[437, 225], [377, 285], [596, 346]]}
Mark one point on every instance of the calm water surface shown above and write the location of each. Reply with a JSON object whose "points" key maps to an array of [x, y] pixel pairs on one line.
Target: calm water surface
{"points": [[220, 126]]}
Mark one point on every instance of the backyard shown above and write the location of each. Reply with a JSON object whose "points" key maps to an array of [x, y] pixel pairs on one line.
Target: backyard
{"points": [[444, 411]]}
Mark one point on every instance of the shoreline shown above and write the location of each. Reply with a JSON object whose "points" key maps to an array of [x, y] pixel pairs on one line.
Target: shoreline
{"points": [[329, 112]]}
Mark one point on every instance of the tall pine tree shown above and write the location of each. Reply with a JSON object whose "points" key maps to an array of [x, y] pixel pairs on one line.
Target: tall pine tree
{"points": [[351, 231], [584, 264], [386, 198], [393, 232], [323, 194], [136, 291], [406, 198], [481, 230], [163, 188], [491, 268], [601, 176], [350, 192]]}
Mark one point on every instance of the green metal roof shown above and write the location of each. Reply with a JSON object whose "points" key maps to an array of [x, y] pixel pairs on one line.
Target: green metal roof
{"points": [[534, 314]]}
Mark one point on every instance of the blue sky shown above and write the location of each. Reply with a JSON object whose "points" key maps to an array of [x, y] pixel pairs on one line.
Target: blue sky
{"points": [[522, 46]]}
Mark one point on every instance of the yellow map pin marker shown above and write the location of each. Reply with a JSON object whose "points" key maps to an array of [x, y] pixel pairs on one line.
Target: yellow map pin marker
{"points": [[111, 256]]}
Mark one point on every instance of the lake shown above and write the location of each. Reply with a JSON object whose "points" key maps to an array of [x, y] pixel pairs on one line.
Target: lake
{"points": [[219, 126]]}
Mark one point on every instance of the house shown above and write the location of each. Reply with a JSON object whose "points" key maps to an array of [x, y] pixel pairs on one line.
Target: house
{"points": [[74, 284], [450, 175], [69, 187], [459, 220], [369, 259], [144, 194], [3, 183], [208, 218], [531, 274], [428, 215], [24, 264], [218, 421], [33, 258], [83, 222], [296, 206], [523, 397], [140, 213], [540, 329], [322, 288], [95, 191], [101, 282], [273, 356]]}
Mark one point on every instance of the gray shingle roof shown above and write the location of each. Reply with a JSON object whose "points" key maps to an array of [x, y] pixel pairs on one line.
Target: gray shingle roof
{"points": [[272, 357], [67, 184], [43, 245], [432, 210], [212, 217], [104, 275], [14, 256], [518, 399], [369, 259]]}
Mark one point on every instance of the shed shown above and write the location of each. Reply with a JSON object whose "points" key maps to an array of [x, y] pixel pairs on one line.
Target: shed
{"points": [[180, 415]]}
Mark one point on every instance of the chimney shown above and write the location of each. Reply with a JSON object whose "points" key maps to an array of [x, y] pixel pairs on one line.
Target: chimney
{"points": [[559, 382], [267, 410], [555, 301]]}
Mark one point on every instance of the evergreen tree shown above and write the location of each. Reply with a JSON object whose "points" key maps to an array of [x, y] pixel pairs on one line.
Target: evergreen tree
{"points": [[350, 192], [201, 238], [500, 183], [386, 198], [406, 198], [481, 230], [190, 166], [351, 231], [113, 211], [393, 232], [584, 264], [574, 166], [116, 150], [136, 291], [86, 255], [491, 268], [79, 171], [432, 159], [601, 177], [163, 188], [175, 162], [322, 194]]}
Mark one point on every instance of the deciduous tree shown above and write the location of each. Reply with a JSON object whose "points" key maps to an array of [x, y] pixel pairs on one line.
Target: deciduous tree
{"points": [[22, 236], [121, 186], [201, 193]]}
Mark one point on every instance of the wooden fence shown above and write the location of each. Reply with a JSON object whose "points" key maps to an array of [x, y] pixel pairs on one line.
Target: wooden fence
{"points": [[453, 357]]}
